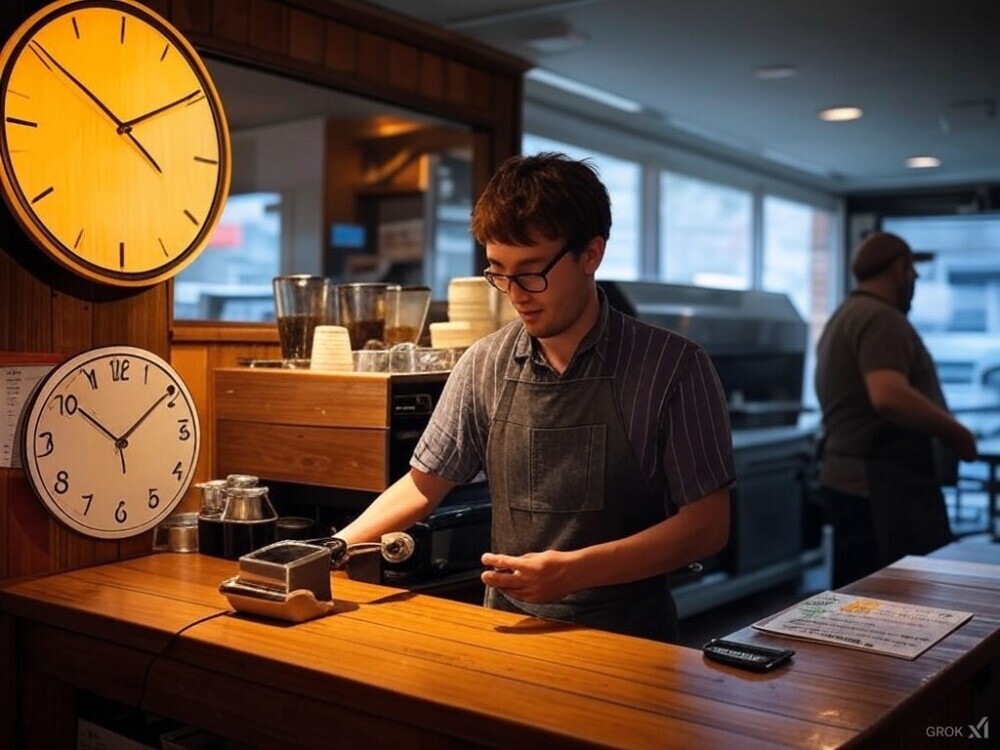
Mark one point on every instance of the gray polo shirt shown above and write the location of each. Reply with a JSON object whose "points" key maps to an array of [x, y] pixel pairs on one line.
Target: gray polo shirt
{"points": [[866, 333], [670, 399]]}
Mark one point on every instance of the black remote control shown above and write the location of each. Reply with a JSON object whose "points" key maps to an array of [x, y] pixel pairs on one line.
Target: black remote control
{"points": [[745, 655]]}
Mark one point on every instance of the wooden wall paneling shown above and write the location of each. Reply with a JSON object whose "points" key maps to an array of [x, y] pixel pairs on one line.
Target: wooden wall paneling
{"points": [[305, 37], [72, 323], [137, 318], [340, 49], [431, 76], [455, 82], [231, 20], [5, 545], [28, 530], [6, 308], [191, 16], [269, 26], [479, 89], [373, 50], [158, 6], [403, 67], [9, 702], [192, 364]]}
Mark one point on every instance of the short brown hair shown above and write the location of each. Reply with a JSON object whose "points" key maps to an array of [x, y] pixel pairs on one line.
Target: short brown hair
{"points": [[548, 194]]}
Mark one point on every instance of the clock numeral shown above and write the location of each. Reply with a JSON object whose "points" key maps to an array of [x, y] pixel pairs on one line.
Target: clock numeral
{"points": [[184, 433], [67, 404], [121, 515], [46, 437], [154, 499], [178, 471], [89, 498], [62, 482], [119, 369], [91, 378], [173, 399]]}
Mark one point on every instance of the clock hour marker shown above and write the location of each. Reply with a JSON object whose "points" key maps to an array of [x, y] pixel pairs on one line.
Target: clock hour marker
{"points": [[163, 247], [26, 123], [121, 255], [121, 37], [205, 160], [42, 194], [166, 49], [76, 29], [191, 217], [79, 239]]}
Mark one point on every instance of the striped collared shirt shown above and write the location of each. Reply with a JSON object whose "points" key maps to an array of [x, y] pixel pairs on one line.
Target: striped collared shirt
{"points": [[669, 396]]}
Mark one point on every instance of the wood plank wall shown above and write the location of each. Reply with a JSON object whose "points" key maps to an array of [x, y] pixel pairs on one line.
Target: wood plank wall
{"points": [[337, 43]]}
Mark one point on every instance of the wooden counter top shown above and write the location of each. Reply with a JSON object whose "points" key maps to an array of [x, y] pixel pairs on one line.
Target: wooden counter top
{"points": [[394, 668]]}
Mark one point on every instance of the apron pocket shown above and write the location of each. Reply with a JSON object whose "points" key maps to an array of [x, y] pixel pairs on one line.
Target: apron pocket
{"points": [[566, 470]]}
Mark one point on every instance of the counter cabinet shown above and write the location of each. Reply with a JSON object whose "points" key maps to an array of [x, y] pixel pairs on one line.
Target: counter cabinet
{"points": [[398, 669]]}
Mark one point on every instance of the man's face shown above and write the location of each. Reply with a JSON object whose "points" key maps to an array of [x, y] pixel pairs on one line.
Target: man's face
{"points": [[555, 310], [907, 283]]}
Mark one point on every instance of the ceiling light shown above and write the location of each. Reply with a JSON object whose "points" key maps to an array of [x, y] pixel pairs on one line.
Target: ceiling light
{"points": [[840, 114], [584, 89], [775, 71], [923, 162]]}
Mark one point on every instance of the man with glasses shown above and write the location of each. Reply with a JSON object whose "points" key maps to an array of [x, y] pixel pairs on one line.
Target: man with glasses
{"points": [[605, 441]]}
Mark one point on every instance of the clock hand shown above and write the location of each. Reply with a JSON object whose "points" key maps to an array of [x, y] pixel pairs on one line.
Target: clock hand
{"points": [[167, 394], [90, 418], [122, 129], [158, 110]]}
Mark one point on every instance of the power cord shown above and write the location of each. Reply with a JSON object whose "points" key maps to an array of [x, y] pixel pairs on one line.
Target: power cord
{"points": [[167, 645]]}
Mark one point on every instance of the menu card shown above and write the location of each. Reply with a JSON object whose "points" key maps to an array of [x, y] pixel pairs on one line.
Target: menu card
{"points": [[17, 380], [876, 625]]}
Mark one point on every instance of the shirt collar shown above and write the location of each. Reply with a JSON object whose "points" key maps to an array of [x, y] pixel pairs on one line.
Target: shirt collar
{"points": [[527, 345]]}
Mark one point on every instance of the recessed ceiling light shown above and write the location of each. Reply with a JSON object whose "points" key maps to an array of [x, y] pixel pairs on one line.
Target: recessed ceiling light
{"points": [[777, 70], [923, 162], [840, 114]]}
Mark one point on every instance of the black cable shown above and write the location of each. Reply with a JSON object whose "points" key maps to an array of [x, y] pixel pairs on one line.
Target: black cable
{"points": [[168, 644]]}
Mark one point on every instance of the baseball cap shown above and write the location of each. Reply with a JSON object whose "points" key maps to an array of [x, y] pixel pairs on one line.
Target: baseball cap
{"points": [[880, 249]]}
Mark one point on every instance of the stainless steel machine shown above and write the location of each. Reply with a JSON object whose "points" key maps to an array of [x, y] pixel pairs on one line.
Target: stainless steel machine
{"points": [[757, 342]]}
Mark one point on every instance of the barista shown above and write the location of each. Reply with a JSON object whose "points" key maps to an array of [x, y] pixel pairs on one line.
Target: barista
{"points": [[606, 441]]}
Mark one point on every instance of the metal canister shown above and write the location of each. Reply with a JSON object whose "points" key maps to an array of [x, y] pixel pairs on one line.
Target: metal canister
{"points": [[242, 480], [248, 521]]}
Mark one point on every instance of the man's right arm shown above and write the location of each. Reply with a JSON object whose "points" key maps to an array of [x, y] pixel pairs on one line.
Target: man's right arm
{"points": [[412, 497], [895, 400]]}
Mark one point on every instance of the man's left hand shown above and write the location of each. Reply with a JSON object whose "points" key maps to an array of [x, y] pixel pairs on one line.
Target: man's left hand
{"points": [[536, 577]]}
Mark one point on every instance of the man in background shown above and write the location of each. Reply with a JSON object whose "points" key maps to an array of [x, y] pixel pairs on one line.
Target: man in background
{"points": [[885, 419]]}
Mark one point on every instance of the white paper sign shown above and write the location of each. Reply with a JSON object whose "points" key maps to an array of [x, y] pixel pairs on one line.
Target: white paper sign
{"points": [[16, 385], [858, 622]]}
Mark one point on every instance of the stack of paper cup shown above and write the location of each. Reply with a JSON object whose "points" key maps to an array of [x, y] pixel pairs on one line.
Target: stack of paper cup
{"points": [[455, 334], [473, 300], [331, 349]]}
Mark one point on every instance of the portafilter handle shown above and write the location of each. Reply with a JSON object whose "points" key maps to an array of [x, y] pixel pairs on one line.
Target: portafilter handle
{"points": [[395, 547]]}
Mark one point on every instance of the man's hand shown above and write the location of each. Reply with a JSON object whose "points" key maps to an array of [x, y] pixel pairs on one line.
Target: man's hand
{"points": [[537, 577]]}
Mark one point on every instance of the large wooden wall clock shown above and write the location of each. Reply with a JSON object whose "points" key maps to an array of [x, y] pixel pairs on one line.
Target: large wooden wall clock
{"points": [[114, 146], [111, 441]]}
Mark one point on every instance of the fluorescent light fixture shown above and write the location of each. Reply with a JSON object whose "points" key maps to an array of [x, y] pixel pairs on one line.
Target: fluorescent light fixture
{"points": [[923, 162], [775, 71], [840, 114], [585, 90]]}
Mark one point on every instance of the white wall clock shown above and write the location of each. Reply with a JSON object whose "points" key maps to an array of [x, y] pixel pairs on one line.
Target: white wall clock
{"points": [[111, 441]]}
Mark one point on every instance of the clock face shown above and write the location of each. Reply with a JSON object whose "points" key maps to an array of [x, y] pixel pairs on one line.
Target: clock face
{"points": [[111, 441], [115, 149]]}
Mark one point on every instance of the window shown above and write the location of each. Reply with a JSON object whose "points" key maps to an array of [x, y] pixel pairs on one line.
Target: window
{"points": [[706, 233], [231, 279], [798, 250], [622, 179]]}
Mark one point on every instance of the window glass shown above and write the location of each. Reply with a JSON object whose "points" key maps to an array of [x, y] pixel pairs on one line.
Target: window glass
{"points": [[956, 306], [706, 233], [623, 181], [231, 279], [798, 249]]}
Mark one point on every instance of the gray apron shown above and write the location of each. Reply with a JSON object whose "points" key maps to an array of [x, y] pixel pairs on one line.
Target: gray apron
{"points": [[557, 452]]}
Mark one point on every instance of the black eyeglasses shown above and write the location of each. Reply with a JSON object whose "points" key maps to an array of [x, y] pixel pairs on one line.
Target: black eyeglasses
{"points": [[529, 282]]}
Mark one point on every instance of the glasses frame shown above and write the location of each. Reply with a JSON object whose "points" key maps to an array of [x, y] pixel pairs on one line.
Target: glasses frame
{"points": [[502, 281]]}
